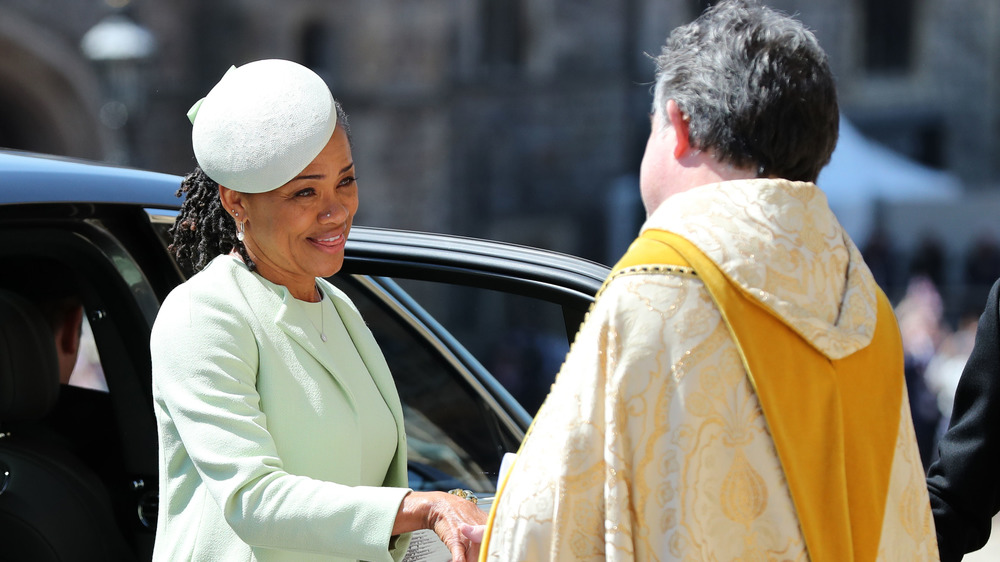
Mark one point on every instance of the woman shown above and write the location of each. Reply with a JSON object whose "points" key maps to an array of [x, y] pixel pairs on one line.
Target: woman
{"points": [[281, 433]]}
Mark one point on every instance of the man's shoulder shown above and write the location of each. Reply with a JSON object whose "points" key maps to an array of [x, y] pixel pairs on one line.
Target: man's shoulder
{"points": [[649, 289], [649, 256]]}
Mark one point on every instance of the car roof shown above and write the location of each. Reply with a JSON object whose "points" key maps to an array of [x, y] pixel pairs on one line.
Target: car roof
{"points": [[36, 178], [447, 252], [32, 178]]}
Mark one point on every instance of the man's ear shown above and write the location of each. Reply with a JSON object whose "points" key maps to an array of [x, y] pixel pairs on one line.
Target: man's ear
{"points": [[679, 123], [68, 333]]}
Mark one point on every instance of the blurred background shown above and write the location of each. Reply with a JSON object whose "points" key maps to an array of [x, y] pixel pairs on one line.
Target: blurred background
{"points": [[525, 121]]}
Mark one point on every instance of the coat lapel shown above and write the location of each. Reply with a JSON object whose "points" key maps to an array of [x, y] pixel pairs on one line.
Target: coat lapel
{"points": [[356, 328], [275, 301], [368, 349], [374, 360], [291, 318]]}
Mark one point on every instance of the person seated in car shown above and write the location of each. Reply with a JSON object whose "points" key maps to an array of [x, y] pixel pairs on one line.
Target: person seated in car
{"points": [[281, 432], [45, 284], [82, 421]]}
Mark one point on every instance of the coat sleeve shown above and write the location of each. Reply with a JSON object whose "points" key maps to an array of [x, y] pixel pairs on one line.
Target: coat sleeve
{"points": [[205, 361], [963, 484]]}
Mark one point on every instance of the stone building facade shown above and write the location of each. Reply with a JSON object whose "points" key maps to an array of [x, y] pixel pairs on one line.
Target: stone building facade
{"points": [[512, 119]]}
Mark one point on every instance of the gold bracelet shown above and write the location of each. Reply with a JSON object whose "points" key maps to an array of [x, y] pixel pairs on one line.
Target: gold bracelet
{"points": [[467, 494]]}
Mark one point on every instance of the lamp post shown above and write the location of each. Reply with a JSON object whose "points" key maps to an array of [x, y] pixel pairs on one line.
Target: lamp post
{"points": [[119, 49]]}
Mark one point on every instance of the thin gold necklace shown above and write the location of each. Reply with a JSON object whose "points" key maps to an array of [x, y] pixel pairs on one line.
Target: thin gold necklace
{"points": [[322, 317]]}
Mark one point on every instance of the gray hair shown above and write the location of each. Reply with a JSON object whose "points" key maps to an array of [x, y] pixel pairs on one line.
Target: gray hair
{"points": [[756, 87]]}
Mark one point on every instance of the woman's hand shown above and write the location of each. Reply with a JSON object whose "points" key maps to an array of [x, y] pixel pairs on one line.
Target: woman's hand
{"points": [[475, 534], [446, 514]]}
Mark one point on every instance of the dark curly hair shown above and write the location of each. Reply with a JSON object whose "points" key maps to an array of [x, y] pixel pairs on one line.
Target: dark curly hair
{"points": [[203, 229], [757, 88]]}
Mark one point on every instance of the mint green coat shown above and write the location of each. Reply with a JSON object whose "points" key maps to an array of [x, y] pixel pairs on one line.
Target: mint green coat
{"points": [[255, 463]]}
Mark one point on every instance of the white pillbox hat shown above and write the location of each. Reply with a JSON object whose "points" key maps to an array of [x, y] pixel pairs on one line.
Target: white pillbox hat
{"points": [[262, 124]]}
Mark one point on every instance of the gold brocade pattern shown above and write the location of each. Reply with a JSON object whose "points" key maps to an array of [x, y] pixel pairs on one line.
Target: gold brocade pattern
{"points": [[790, 249], [652, 444], [908, 512], [654, 465], [744, 493]]}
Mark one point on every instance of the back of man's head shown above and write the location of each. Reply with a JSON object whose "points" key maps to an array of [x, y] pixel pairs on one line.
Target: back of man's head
{"points": [[49, 285], [756, 87], [53, 289]]}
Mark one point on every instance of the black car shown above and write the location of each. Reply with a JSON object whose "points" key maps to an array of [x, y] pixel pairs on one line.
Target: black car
{"points": [[473, 330]]}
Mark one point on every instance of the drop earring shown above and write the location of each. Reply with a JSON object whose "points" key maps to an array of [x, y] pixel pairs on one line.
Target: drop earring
{"points": [[239, 231]]}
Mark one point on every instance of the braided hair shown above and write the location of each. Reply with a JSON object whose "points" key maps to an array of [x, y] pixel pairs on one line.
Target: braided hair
{"points": [[204, 229]]}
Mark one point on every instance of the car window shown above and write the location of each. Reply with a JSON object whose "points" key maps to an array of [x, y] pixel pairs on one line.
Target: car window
{"points": [[521, 340], [455, 437], [87, 372]]}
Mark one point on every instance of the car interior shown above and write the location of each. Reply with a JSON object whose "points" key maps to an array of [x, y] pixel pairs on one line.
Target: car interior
{"points": [[106, 433], [53, 506], [102, 441], [95, 437]]}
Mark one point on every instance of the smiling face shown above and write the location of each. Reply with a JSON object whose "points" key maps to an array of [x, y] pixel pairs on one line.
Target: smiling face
{"points": [[297, 232]]}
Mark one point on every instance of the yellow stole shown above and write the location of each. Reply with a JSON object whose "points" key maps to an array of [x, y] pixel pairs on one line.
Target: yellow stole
{"points": [[833, 422]]}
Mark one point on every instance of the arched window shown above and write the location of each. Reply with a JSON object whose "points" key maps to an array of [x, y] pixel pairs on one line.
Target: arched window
{"points": [[503, 34], [316, 50], [888, 32]]}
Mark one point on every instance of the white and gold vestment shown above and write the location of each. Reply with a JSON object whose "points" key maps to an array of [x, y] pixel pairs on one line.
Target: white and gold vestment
{"points": [[653, 443]]}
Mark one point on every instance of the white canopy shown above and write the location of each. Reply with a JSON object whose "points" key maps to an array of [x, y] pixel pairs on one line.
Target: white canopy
{"points": [[862, 172]]}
